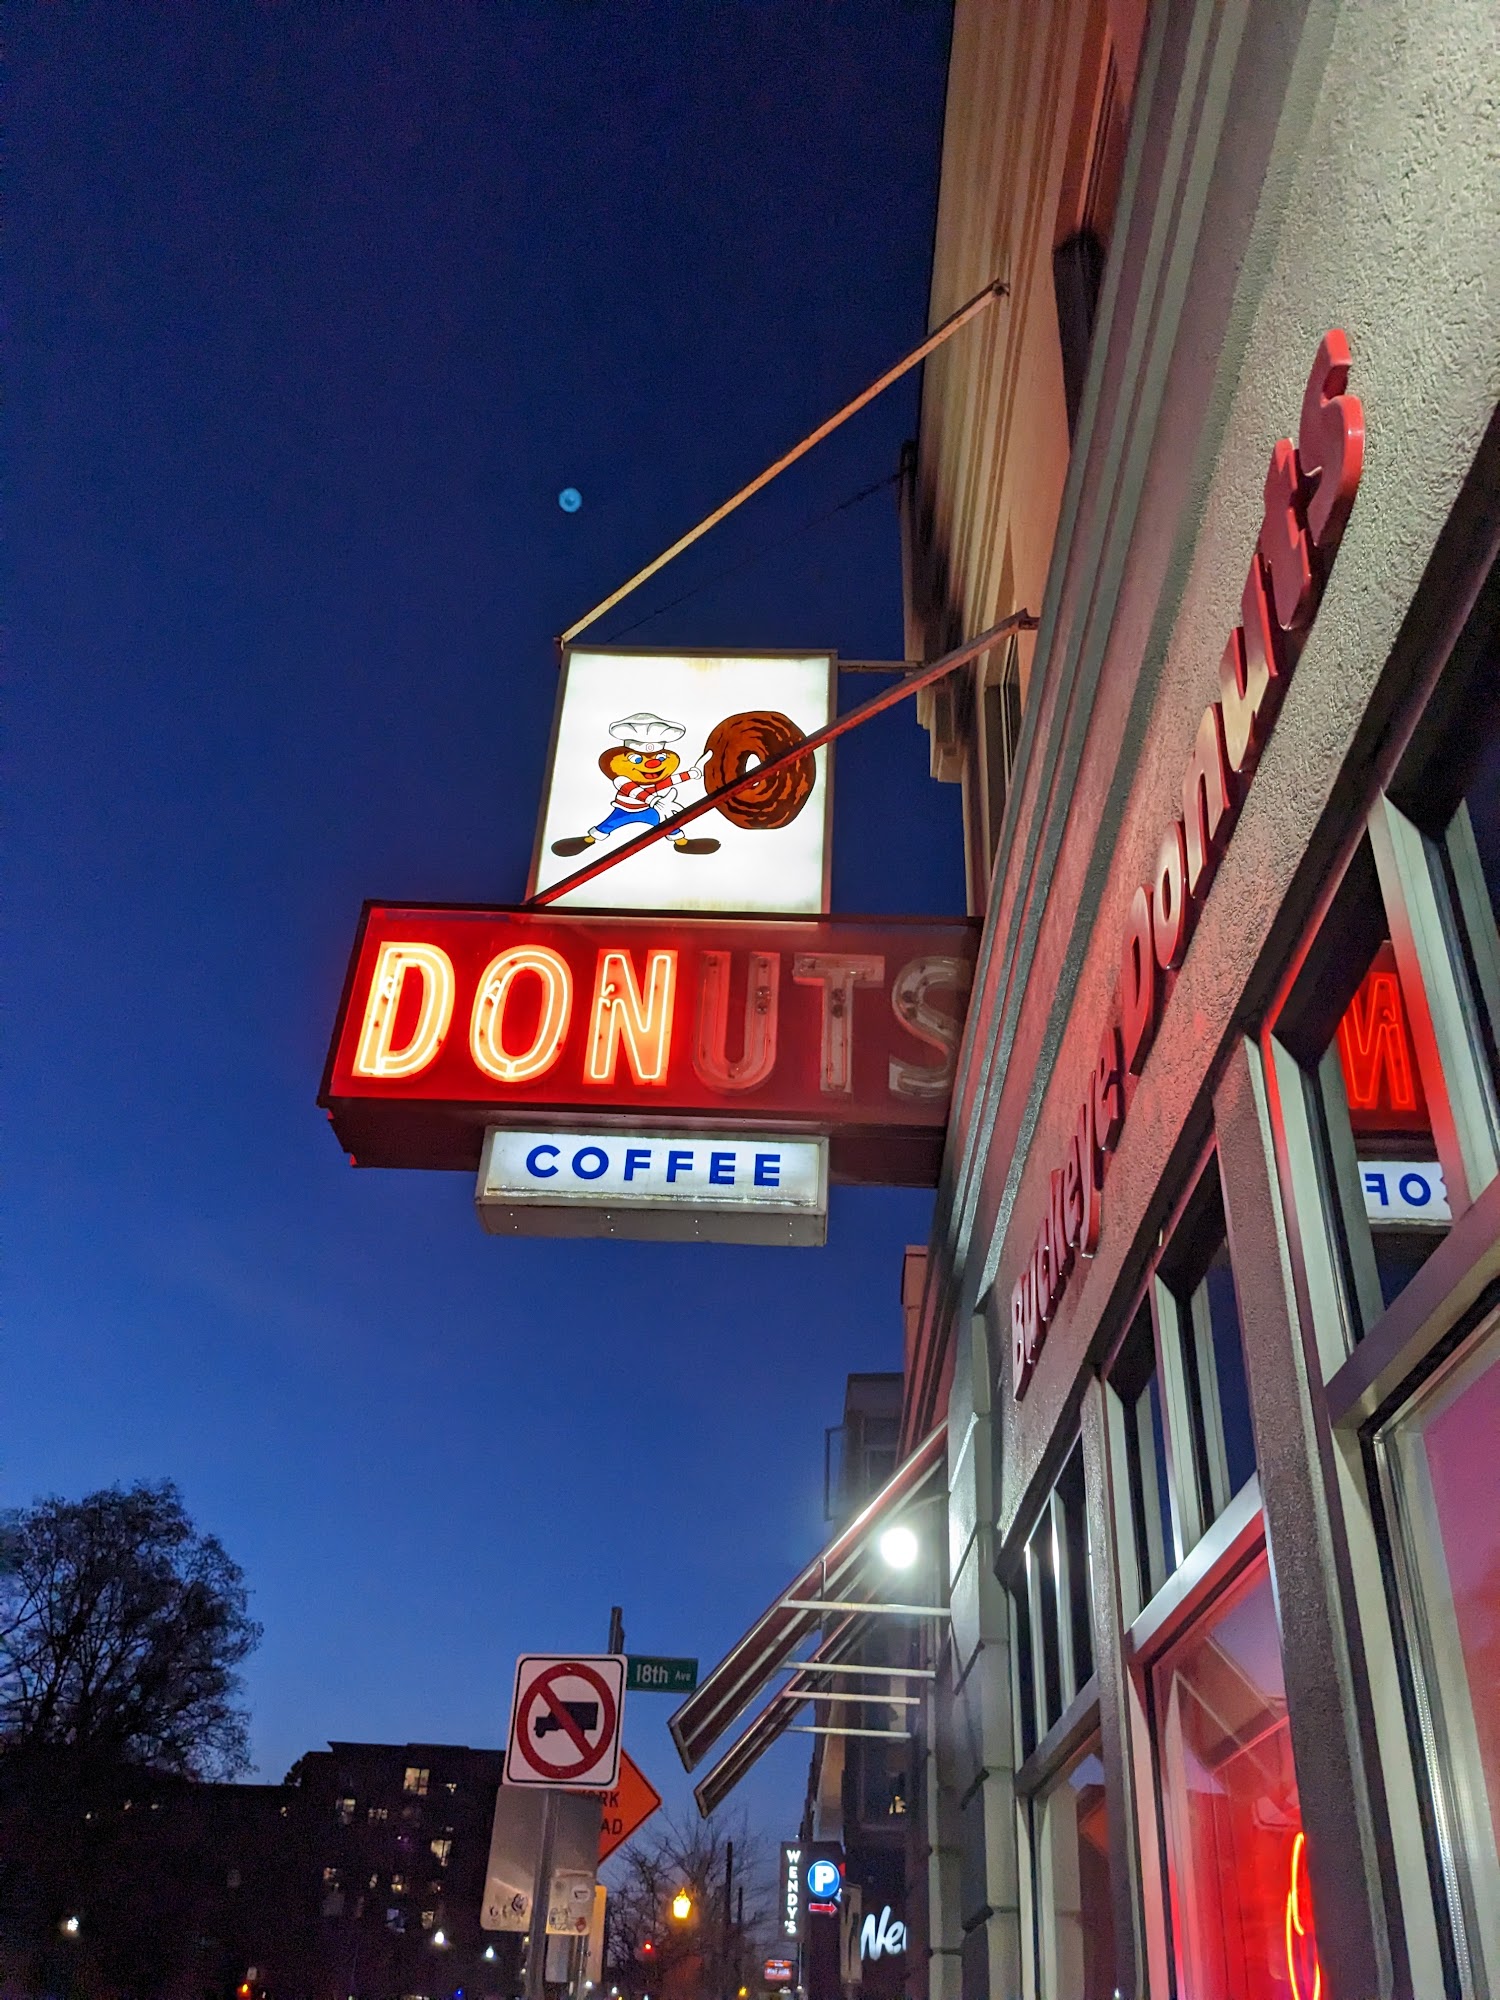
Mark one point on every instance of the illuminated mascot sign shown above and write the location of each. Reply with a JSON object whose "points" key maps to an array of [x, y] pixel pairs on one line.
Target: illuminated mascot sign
{"points": [[1309, 491]]}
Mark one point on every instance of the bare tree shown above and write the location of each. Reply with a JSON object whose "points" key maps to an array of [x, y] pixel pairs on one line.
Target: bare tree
{"points": [[714, 1951], [121, 1629]]}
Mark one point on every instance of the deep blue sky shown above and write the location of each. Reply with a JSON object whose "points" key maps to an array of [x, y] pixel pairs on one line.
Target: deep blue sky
{"points": [[316, 308]]}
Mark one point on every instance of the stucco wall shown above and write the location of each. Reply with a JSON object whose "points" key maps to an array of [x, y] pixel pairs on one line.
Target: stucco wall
{"points": [[1331, 168]]}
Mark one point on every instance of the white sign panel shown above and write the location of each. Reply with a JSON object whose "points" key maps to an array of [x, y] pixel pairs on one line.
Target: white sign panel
{"points": [[565, 1722], [1404, 1191], [657, 1185], [640, 735], [515, 1842]]}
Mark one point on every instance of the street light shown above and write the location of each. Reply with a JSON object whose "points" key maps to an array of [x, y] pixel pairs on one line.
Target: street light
{"points": [[440, 1939], [899, 1547], [70, 1926], [682, 1906]]}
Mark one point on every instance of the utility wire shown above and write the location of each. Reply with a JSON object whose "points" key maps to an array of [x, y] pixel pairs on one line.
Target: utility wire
{"points": [[748, 562]]}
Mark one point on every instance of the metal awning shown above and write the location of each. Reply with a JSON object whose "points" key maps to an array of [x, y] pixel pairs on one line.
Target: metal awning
{"points": [[839, 1592]]}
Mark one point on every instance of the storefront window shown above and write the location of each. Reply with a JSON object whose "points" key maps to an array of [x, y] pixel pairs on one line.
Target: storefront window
{"points": [[1358, 1085], [1137, 1412], [1441, 1461], [1401, 1183], [1211, 1440], [1242, 1920], [1077, 1930], [1054, 1621]]}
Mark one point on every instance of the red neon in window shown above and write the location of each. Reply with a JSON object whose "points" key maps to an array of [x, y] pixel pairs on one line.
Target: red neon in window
{"points": [[1381, 1079], [1302, 1967]]}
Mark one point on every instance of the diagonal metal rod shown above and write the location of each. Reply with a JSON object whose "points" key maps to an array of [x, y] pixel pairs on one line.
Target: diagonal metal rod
{"points": [[853, 1667], [996, 289], [854, 1604], [826, 1729], [799, 1695], [1018, 621]]}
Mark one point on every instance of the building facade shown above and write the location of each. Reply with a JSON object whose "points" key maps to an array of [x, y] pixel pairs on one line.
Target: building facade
{"points": [[1212, 1304], [361, 1877]]}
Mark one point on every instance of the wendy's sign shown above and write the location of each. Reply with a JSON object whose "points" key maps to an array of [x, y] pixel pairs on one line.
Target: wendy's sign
{"points": [[1309, 490], [456, 1019]]}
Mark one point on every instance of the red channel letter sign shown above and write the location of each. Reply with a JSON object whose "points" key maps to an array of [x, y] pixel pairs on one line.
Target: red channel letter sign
{"points": [[1309, 490], [455, 1018]]}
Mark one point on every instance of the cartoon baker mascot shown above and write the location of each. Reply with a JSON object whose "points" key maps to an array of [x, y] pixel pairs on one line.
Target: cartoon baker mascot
{"points": [[647, 775]]}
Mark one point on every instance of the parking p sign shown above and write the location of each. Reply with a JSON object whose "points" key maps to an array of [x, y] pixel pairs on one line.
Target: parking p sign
{"points": [[565, 1721]]}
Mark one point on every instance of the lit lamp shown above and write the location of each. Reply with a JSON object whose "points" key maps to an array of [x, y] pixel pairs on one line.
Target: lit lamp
{"points": [[898, 1548], [682, 1906]]}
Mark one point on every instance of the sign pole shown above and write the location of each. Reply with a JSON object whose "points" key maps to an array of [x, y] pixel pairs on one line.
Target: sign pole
{"points": [[541, 1896]]}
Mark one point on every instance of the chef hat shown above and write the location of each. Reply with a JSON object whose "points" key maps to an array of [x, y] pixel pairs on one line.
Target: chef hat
{"points": [[647, 732]]}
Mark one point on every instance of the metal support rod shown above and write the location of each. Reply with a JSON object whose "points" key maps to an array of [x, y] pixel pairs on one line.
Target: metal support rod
{"points": [[852, 1667], [828, 1729], [1018, 621], [996, 289], [842, 1694], [541, 1896], [852, 1604]]}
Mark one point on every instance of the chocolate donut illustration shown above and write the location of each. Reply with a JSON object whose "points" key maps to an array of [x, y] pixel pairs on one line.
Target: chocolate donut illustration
{"points": [[738, 743]]}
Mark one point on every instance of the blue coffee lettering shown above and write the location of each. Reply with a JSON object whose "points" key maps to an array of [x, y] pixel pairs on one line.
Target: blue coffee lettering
{"points": [[1375, 1184], [721, 1169], [678, 1163], [1414, 1189], [534, 1165], [637, 1158], [768, 1170], [590, 1153]]}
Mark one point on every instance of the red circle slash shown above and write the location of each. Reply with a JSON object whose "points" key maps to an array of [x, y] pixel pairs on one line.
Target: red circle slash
{"points": [[542, 1689]]}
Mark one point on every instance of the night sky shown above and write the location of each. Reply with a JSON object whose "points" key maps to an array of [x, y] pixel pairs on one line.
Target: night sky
{"points": [[316, 310]]}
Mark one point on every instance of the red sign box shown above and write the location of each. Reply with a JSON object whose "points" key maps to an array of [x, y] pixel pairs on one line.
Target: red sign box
{"points": [[454, 1018]]}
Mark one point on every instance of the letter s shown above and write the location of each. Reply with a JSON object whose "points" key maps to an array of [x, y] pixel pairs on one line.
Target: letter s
{"points": [[1330, 442], [928, 1024]]}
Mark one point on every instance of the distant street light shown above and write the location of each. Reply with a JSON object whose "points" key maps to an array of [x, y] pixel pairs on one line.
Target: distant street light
{"points": [[70, 1926], [439, 1938], [899, 1548], [682, 1906]]}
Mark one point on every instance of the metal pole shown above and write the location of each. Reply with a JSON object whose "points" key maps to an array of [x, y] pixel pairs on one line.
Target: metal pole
{"points": [[541, 1896], [996, 289], [728, 1897], [1018, 621]]}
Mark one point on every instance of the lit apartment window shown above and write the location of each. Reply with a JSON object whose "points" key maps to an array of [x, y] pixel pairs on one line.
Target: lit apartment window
{"points": [[330, 1878], [450, 1785], [441, 1850], [429, 1919], [378, 1813], [344, 1811], [416, 1779], [398, 1885]]}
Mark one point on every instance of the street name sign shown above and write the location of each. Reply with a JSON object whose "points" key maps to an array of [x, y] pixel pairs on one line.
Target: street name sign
{"points": [[652, 1676], [565, 1721], [627, 1808]]}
